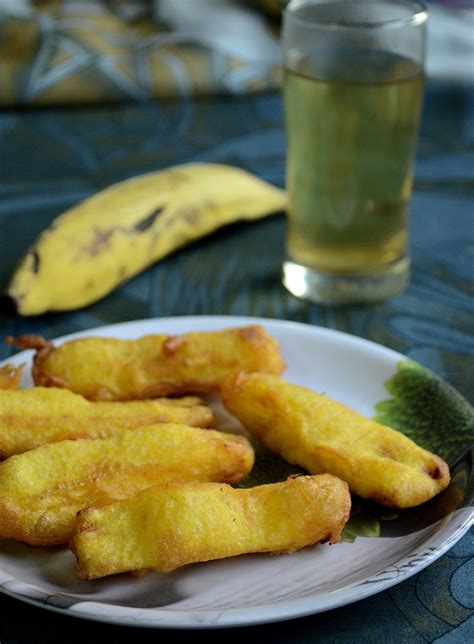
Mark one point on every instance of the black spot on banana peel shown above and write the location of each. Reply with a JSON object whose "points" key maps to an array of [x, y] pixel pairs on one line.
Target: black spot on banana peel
{"points": [[36, 261], [101, 238], [146, 223], [99, 243], [93, 247]]}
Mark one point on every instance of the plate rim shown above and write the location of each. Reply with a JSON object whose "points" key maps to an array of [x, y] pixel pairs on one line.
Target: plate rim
{"points": [[288, 607]]}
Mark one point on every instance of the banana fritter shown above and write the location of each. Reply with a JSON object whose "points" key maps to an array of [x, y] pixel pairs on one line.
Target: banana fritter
{"points": [[153, 365], [33, 417], [169, 526], [322, 435]]}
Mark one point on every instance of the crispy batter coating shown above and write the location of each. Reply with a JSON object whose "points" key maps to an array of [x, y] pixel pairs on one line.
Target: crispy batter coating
{"points": [[33, 417], [153, 365], [169, 526], [43, 489], [10, 376], [322, 435]]}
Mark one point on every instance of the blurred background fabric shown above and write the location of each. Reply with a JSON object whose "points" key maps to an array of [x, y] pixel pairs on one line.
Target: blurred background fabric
{"points": [[59, 52]]}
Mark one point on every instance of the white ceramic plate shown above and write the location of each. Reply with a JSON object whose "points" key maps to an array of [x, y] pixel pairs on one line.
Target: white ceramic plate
{"points": [[250, 589]]}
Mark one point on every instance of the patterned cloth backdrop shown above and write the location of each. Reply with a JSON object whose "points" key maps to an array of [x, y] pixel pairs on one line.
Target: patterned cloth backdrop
{"points": [[57, 52]]}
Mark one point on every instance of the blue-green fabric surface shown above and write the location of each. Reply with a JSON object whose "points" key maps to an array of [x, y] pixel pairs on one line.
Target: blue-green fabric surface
{"points": [[51, 159]]}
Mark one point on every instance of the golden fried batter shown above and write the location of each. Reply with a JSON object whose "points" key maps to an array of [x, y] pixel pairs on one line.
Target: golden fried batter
{"points": [[154, 365], [41, 490], [169, 526], [33, 417], [10, 376], [322, 435]]}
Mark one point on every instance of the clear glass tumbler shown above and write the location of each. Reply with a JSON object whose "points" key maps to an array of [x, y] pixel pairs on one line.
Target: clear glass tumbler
{"points": [[353, 90]]}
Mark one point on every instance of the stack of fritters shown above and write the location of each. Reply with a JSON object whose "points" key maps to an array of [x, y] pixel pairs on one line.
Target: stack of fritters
{"points": [[137, 484]]}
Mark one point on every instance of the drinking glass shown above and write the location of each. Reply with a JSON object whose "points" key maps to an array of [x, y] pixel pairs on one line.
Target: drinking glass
{"points": [[353, 89]]}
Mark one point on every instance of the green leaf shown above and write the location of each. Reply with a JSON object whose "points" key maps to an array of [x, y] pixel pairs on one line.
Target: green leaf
{"points": [[427, 410], [361, 525]]}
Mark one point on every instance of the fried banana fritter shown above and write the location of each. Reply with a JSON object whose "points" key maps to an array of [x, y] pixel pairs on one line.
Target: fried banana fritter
{"points": [[10, 376], [153, 365], [33, 417], [169, 526], [322, 435], [43, 489]]}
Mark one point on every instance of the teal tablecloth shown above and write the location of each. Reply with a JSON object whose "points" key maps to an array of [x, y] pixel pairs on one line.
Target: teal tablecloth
{"points": [[53, 158]]}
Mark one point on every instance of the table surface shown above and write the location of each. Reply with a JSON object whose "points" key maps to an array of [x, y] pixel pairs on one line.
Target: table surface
{"points": [[50, 159]]}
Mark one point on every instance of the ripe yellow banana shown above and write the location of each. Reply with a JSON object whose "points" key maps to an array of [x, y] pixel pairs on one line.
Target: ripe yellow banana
{"points": [[95, 246]]}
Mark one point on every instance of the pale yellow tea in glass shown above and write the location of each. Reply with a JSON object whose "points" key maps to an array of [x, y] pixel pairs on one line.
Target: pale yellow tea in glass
{"points": [[349, 174], [352, 113]]}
